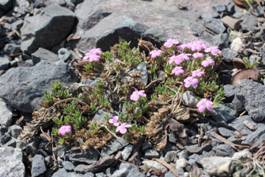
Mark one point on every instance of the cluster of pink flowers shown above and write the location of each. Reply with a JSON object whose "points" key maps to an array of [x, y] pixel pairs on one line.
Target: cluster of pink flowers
{"points": [[93, 55], [196, 50], [121, 128], [137, 94], [155, 53], [65, 129], [204, 105], [170, 43]]}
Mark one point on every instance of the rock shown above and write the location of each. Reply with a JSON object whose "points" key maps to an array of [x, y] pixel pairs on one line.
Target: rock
{"points": [[84, 157], [181, 163], [193, 159], [238, 124], [102, 23], [150, 164], [142, 69], [250, 124], [228, 55], [220, 8], [238, 103], [128, 170], [38, 166], [229, 91], [151, 153], [11, 160], [68, 166], [254, 98], [5, 114], [44, 54], [220, 40], [5, 138], [114, 146], [29, 83], [12, 49], [237, 45], [101, 116], [169, 174], [47, 29], [122, 26], [126, 152], [63, 173], [242, 155], [225, 132], [216, 165], [171, 156], [189, 99], [196, 149], [64, 54], [98, 166], [100, 175], [231, 22], [248, 23], [14, 130], [255, 138], [223, 150], [6, 5], [215, 25], [224, 113], [4, 63]]}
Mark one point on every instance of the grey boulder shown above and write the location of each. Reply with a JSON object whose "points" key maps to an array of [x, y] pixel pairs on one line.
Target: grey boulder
{"points": [[253, 95], [47, 29], [23, 87], [38, 166], [5, 114], [11, 162]]}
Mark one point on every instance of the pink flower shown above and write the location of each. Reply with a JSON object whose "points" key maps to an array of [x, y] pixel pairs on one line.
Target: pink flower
{"points": [[65, 129], [191, 82], [122, 128], [114, 121], [198, 55], [155, 53], [204, 105], [170, 42], [207, 62], [213, 50], [93, 55], [178, 59], [197, 73], [135, 96], [178, 70], [194, 46]]}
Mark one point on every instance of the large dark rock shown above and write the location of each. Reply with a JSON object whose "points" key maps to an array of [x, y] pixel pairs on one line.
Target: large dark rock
{"points": [[11, 162], [23, 87], [102, 23], [47, 29], [253, 95], [6, 5]]}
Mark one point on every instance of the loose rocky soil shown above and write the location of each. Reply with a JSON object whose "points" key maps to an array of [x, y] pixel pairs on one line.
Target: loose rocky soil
{"points": [[41, 39]]}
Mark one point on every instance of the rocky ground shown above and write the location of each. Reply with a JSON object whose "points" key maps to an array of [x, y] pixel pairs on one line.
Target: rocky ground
{"points": [[40, 39]]}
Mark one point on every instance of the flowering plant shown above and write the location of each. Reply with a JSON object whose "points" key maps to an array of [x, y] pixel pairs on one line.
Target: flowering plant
{"points": [[132, 86]]}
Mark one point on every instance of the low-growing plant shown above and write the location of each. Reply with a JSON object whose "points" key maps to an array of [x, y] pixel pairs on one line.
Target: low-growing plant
{"points": [[136, 109]]}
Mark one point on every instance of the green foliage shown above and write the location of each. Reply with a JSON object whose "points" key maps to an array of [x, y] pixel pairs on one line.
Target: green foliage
{"points": [[58, 91], [124, 52], [249, 64], [71, 116]]}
